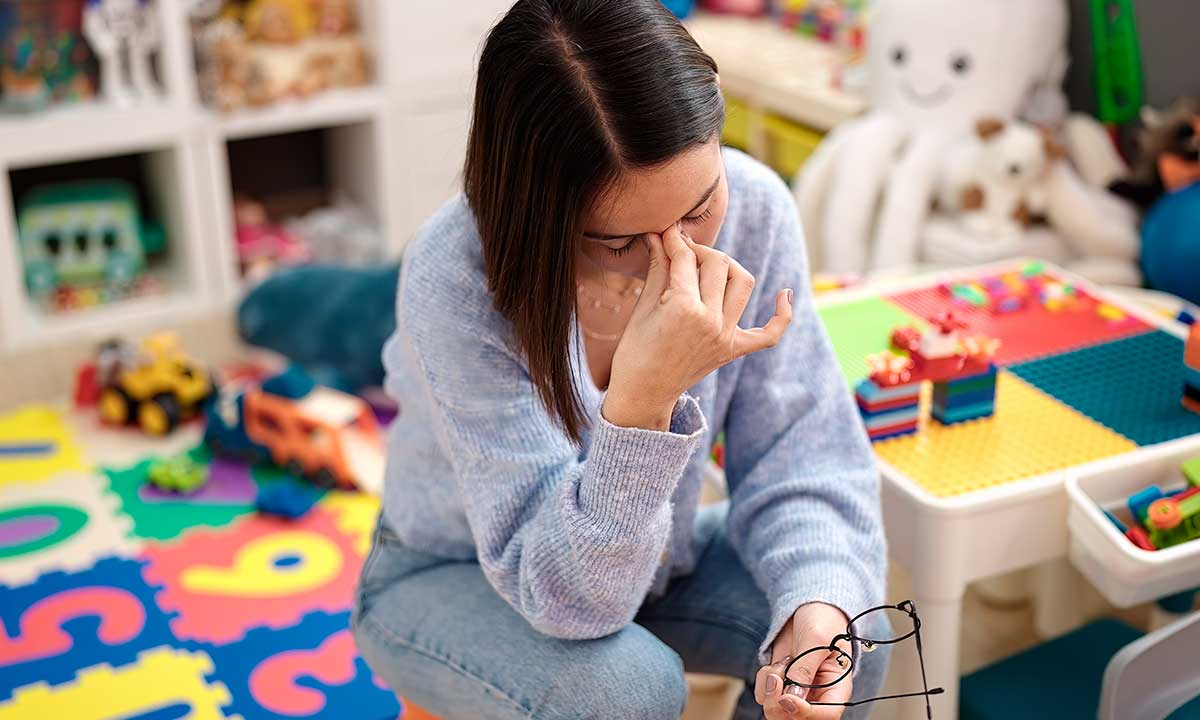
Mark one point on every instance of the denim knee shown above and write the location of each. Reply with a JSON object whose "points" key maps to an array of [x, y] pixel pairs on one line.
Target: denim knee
{"points": [[640, 681]]}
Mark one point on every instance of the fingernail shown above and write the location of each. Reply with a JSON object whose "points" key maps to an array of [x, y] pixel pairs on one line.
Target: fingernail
{"points": [[789, 705], [789, 296], [771, 685]]}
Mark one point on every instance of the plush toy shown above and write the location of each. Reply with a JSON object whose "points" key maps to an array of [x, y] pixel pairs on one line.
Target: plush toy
{"points": [[934, 68], [995, 181]]}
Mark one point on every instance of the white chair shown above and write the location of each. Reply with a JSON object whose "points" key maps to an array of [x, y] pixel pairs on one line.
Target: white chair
{"points": [[1154, 675]]}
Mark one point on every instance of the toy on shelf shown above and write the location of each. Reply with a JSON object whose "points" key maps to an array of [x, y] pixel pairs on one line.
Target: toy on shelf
{"points": [[87, 235], [1191, 371], [841, 22], [123, 35], [318, 433], [155, 387], [181, 475], [278, 49], [958, 364], [261, 245]]}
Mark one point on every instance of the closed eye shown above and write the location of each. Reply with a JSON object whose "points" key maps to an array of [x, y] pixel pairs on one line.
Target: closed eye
{"points": [[699, 219]]}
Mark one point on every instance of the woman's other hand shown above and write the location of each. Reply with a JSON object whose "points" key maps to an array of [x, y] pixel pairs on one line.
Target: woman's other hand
{"points": [[812, 625]]}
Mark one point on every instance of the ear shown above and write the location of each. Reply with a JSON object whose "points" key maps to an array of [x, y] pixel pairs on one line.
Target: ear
{"points": [[987, 128], [1151, 118], [1051, 146]]}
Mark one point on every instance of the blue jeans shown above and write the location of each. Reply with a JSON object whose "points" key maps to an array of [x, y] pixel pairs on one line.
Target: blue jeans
{"points": [[439, 635]]}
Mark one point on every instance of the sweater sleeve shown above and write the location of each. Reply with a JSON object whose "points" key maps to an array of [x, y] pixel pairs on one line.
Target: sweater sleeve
{"points": [[804, 489], [571, 543]]}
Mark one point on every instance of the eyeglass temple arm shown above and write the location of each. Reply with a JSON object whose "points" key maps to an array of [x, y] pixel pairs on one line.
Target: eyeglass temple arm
{"points": [[935, 691]]}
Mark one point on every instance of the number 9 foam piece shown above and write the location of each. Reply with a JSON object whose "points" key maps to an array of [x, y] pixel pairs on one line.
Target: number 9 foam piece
{"points": [[66, 523], [259, 571]]}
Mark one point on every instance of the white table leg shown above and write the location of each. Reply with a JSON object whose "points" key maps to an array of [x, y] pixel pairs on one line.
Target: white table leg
{"points": [[941, 622]]}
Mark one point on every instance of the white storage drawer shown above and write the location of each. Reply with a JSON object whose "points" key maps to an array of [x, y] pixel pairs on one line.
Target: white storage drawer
{"points": [[1126, 574]]}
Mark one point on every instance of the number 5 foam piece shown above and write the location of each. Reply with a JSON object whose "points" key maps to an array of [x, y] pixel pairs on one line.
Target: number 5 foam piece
{"points": [[61, 524], [68, 621], [310, 670], [259, 571], [35, 444], [164, 683]]}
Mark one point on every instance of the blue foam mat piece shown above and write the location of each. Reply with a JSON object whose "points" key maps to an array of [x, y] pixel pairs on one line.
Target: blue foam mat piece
{"points": [[234, 664], [119, 582], [1132, 386]]}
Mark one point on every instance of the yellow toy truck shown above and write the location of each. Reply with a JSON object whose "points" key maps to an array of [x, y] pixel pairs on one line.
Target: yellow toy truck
{"points": [[154, 387]]}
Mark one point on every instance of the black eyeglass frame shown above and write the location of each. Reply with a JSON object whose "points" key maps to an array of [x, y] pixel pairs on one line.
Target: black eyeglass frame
{"points": [[907, 607]]}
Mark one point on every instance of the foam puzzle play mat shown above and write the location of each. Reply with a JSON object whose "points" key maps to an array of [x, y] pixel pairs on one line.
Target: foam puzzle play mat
{"points": [[119, 600], [1005, 374]]}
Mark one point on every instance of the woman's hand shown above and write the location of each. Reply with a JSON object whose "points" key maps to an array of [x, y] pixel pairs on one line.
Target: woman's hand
{"points": [[685, 326], [812, 625]]}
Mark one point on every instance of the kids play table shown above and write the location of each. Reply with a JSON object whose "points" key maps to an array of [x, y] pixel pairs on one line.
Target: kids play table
{"points": [[1092, 379]]}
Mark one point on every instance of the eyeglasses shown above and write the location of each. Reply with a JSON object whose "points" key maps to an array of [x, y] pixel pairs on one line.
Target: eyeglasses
{"points": [[882, 621]]}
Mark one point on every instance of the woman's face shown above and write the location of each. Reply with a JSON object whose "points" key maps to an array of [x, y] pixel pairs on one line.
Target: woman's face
{"points": [[689, 189]]}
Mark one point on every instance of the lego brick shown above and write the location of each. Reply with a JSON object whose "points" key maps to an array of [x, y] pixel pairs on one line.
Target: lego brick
{"points": [[65, 622], [861, 328], [893, 431], [1030, 434], [891, 417], [1191, 471], [1130, 386], [950, 416], [872, 392], [940, 399], [867, 408], [986, 381], [1028, 333]]}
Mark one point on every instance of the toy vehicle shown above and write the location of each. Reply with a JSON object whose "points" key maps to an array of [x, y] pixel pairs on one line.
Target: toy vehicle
{"points": [[155, 387], [318, 433], [87, 232], [178, 475]]}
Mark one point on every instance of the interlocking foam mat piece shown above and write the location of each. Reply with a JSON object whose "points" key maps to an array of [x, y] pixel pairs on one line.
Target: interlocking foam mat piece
{"points": [[121, 602]]}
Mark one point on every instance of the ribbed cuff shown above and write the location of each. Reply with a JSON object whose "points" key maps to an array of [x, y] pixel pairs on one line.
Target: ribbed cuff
{"points": [[838, 589], [632, 471]]}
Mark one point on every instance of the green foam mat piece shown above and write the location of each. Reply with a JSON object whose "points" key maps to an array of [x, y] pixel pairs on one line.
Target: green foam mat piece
{"points": [[861, 328]]}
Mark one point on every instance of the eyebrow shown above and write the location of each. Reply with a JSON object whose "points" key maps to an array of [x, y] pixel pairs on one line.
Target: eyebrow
{"points": [[703, 199]]}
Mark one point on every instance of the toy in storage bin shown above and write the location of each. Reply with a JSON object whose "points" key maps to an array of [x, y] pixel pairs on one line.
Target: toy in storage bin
{"points": [[1126, 574]]}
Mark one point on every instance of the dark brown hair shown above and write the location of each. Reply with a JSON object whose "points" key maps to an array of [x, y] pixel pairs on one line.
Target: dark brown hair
{"points": [[570, 94]]}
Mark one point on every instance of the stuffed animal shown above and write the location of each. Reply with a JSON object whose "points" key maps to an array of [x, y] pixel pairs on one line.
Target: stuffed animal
{"points": [[995, 180]]}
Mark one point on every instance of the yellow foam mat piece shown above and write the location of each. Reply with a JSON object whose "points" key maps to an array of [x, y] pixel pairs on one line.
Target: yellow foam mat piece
{"points": [[160, 679], [356, 512], [1031, 434], [36, 425]]}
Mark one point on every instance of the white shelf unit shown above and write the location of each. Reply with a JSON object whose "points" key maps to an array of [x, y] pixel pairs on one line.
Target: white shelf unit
{"points": [[395, 148]]}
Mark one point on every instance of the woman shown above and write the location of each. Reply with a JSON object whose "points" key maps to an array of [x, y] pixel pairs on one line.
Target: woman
{"points": [[567, 349]]}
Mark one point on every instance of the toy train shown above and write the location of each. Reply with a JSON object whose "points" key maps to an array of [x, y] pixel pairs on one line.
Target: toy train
{"points": [[325, 436]]}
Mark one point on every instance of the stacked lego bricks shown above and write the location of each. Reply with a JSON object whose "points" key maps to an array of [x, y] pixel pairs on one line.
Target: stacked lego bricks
{"points": [[1077, 377]]}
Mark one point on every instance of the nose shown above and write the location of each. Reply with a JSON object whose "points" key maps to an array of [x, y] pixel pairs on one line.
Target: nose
{"points": [[1014, 170]]}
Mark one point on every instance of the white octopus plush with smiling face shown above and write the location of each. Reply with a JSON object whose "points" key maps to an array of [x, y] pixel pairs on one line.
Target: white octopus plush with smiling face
{"points": [[935, 67]]}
